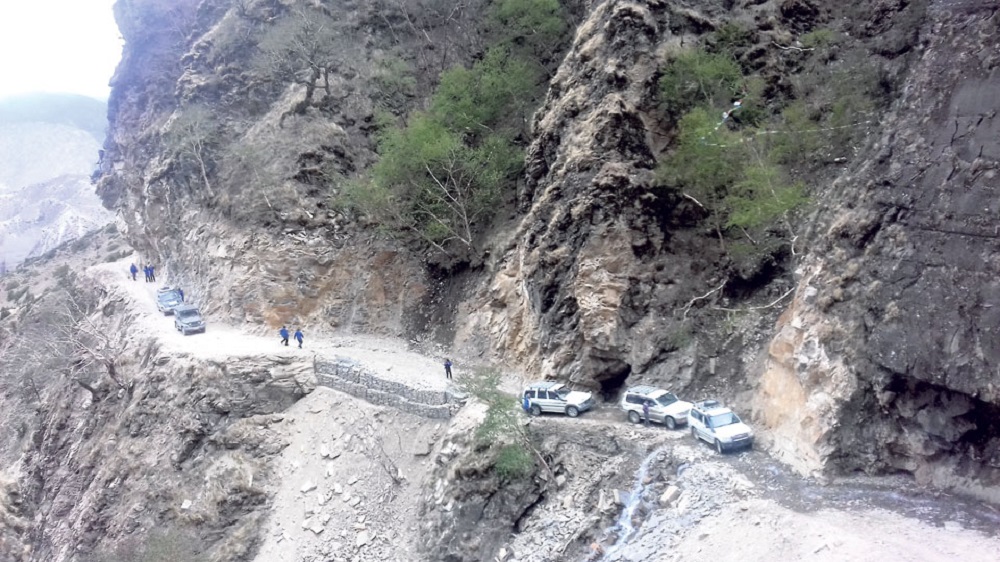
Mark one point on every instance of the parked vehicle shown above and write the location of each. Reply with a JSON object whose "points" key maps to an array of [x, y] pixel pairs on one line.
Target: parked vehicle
{"points": [[713, 423], [167, 300], [556, 398], [664, 406], [188, 320]]}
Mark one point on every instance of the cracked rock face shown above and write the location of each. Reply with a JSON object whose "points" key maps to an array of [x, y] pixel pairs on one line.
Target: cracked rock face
{"points": [[584, 293], [887, 358]]}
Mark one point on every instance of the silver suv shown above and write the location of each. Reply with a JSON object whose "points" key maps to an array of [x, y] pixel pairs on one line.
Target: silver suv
{"points": [[556, 398], [664, 407], [188, 320], [715, 424]]}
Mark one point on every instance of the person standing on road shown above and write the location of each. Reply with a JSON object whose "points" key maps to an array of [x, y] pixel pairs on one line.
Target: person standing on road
{"points": [[152, 273], [133, 270], [180, 292], [526, 404], [283, 332], [447, 368], [145, 272], [298, 337], [645, 411]]}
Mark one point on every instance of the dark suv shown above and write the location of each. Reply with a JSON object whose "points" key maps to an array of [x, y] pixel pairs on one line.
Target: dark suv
{"points": [[167, 300]]}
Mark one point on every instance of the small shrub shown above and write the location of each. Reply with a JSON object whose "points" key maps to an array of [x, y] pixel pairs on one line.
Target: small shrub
{"points": [[820, 38], [731, 37], [395, 82], [514, 463]]}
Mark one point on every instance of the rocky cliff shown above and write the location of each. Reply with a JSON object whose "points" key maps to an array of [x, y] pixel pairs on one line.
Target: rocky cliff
{"points": [[229, 171]]}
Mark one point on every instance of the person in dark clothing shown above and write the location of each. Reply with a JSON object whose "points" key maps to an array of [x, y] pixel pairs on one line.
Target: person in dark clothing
{"points": [[298, 337], [180, 292], [526, 404], [133, 270], [645, 411], [152, 274], [283, 332], [145, 271], [447, 368]]}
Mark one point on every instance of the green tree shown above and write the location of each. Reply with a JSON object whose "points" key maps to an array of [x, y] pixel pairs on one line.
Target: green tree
{"points": [[494, 96], [501, 428]]}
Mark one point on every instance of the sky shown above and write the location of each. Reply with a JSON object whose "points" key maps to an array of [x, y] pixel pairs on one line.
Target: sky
{"points": [[69, 46]]}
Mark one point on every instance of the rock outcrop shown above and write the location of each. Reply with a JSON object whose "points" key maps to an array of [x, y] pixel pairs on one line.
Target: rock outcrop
{"points": [[886, 359]]}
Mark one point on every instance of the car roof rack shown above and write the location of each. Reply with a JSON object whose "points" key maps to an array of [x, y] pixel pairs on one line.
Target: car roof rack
{"points": [[545, 385], [643, 389]]}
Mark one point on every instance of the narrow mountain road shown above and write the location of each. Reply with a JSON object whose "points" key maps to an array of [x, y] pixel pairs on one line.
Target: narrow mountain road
{"points": [[388, 359]]}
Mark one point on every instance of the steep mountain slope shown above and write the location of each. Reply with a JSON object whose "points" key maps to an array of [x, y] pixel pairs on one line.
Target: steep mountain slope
{"points": [[230, 171]]}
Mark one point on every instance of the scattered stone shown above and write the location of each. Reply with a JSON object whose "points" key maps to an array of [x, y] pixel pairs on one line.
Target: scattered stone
{"points": [[561, 480], [352, 481], [324, 451], [952, 526], [308, 487], [363, 538], [338, 489], [186, 505], [355, 502], [670, 495]]}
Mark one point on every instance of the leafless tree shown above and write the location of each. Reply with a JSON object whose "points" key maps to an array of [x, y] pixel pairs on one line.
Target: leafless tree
{"points": [[300, 48], [193, 136], [93, 347]]}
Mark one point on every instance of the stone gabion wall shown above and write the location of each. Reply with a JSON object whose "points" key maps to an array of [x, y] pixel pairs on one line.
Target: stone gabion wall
{"points": [[349, 376]]}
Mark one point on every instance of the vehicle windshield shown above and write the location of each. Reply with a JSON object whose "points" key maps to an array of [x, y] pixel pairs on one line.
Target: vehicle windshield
{"points": [[722, 420], [667, 399], [167, 297], [563, 393], [188, 313]]}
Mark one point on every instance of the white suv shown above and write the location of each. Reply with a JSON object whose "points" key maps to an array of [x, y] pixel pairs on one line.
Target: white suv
{"points": [[715, 424], [556, 398], [664, 406]]}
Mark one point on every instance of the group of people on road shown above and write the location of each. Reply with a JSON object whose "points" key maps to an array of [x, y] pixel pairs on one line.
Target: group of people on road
{"points": [[149, 270], [283, 332]]}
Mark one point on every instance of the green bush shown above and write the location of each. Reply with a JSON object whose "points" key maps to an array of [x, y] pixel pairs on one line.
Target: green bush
{"points": [[760, 198], [536, 26], [698, 77]]}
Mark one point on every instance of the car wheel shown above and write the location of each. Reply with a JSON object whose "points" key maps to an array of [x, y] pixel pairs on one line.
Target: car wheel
{"points": [[718, 446], [634, 417], [535, 410], [670, 422], [572, 411]]}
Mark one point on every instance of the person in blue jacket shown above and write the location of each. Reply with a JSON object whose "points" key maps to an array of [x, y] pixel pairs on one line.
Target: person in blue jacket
{"points": [[180, 292], [298, 337], [133, 270], [283, 332]]}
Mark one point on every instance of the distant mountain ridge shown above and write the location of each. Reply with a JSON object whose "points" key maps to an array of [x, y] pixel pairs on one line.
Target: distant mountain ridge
{"points": [[49, 146], [77, 111]]}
